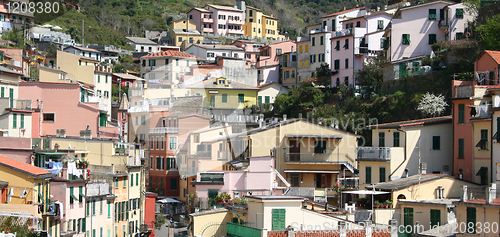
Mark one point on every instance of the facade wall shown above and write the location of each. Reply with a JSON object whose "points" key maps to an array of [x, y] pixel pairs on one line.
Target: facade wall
{"points": [[343, 55], [484, 214], [482, 157], [458, 25], [78, 69], [485, 63], [272, 91]]}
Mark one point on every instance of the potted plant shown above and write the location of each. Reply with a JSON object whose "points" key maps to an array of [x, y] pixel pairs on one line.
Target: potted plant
{"points": [[82, 164], [218, 199], [389, 203], [360, 202], [376, 204]]}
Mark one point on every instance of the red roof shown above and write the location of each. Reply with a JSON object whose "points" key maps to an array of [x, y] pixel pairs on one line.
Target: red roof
{"points": [[344, 11], [494, 54], [22, 167], [170, 53]]}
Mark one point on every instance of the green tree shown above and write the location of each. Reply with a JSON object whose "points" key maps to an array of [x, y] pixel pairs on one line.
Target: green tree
{"points": [[15, 36], [489, 33], [371, 74], [302, 99], [324, 75], [159, 221]]}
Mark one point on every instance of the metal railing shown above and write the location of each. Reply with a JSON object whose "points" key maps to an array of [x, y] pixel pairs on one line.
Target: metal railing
{"points": [[444, 23], [301, 192], [6, 102], [144, 228], [164, 130], [374, 153], [349, 182], [327, 157]]}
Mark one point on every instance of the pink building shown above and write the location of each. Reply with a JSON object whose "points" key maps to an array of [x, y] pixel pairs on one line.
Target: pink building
{"points": [[65, 110], [258, 178], [488, 66], [268, 61], [223, 20], [149, 214], [252, 50]]}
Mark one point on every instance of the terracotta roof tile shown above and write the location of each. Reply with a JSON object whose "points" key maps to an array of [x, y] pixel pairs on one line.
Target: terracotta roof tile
{"points": [[22, 167], [494, 54], [344, 11], [170, 53]]}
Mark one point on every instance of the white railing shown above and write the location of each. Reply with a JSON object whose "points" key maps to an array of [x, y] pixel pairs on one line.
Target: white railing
{"points": [[376, 153], [164, 130]]}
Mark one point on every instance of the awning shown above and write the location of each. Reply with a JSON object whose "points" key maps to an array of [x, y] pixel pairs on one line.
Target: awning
{"points": [[313, 171], [168, 200], [40, 196], [327, 136], [83, 195], [482, 172], [73, 196], [79, 152], [496, 137], [365, 192], [51, 153]]}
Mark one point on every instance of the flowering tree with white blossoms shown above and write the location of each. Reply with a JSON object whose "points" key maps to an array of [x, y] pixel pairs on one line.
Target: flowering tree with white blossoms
{"points": [[433, 105]]}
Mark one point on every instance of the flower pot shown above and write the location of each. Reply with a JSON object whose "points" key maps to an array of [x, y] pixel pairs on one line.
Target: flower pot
{"points": [[376, 205]]}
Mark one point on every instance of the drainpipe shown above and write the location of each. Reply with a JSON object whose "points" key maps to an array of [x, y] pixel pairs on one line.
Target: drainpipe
{"points": [[404, 160], [40, 119], [491, 152]]}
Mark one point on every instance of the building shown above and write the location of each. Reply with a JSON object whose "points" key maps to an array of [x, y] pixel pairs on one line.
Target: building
{"points": [[77, 67], [288, 69], [143, 45], [260, 25], [470, 107], [109, 53], [216, 19], [269, 62], [408, 42], [487, 67], [166, 138], [252, 50], [406, 148], [103, 77], [149, 214], [85, 52], [98, 209], [183, 33], [15, 59], [268, 92], [167, 67], [209, 52], [333, 22], [126, 79], [15, 120]]}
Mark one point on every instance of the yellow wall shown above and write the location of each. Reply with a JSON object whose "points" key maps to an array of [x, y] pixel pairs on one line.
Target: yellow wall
{"points": [[185, 39], [182, 24], [249, 26], [422, 213], [20, 181], [69, 62], [267, 24], [232, 97], [490, 217], [481, 157], [375, 165], [200, 222], [49, 75]]}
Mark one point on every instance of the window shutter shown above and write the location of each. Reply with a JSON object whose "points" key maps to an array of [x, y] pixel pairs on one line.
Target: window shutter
{"points": [[435, 217], [436, 142], [260, 99], [461, 113], [382, 174], [471, 218], [432, 14], [368, 173], [461, 148]]}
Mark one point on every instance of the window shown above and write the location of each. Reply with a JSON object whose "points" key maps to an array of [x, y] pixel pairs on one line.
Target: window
{"points": [[406, 39], [278, 219], [368, 173], [247, 56], [337, 64], [98, 78], [172, 145], [191, 40], [471, 220], [337, 47], [432, 39], [300, 50], [492, 78], [346, 63], [381, 174], [124, 182], [319, 147], [432, 14], [380, 24], [152, 62], [300, 64], [116, 180], [436, 142], [461, 113], [396, 139], [435, 217], [137, 179], [143, 119], [14, 120], [224, 98], [278, 51], [307, 48], [267, 99], [358, 23], [483, 143], [306, 63], [241, 98], [346, 45], [259, 99], [177, 62], [461, 148], [48, 117], [381, 139], [173, 184], [459, 35], [459, 13]]}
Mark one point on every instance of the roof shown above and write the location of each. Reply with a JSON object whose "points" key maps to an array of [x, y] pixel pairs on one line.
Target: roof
{"points": [[140, 40], [268, 16], [493, 54], [425, 4], [209, 84], [344, 11], [24, 168], [225, 8], [275, 197], [269, 83], [4, 184], [184, 115], [213, 211], [421, 122], [217, 46], [170, 53], [183, 31], [7, 70], [200, 10], [399, 184], [83, 49], [128, 76]]}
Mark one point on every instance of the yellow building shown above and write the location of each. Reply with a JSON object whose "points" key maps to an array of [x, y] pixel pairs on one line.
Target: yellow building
{"points": [[49, 74], [79, 68], [481, 139], [29, 191], [259, 25], [221, 93], [183, 33]]}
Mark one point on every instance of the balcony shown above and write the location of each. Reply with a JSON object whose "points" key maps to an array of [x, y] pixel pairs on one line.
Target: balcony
{"points": [[146, 228], [466, 91], [121, 151], [235, 22], [343, 32], [203, 154], [327, 157], [6, 102], [374, 153], [164, 130], [208, 30], [349, 182], [207, 20], [233, 31], [260, 77], [134, 161], [444, 24], [481, 111]]}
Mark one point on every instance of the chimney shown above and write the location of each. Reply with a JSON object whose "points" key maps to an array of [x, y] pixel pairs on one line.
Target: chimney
{"points": [[284, 117]]}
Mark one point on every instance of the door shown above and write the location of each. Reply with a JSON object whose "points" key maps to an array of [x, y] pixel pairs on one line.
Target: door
{"points": [[408, 219], [435, 217], [212, 101], [278, 219], [319, 180], [294, 150]]}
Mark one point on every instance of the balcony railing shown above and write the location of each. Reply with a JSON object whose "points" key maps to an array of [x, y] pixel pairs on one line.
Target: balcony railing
{"points": [[235, 22], [6, 102], [481, 111], [208, 30], [349, 182], [234, 31], [203, 154], [374, 153], [326, 157], [464, 91], [444, 23], [301, 192], [207, 20], [145, 228], [164, 130]]}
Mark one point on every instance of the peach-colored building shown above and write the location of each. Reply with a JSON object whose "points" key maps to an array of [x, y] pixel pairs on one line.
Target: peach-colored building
{"points": [[487, 67], [224, 20], [71, 113], [268, 62], [252, 50]]}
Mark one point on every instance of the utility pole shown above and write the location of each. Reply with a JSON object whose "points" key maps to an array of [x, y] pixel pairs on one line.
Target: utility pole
{"points": [[83, 33]]}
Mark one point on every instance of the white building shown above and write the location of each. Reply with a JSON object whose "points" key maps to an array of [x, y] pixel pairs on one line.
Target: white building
{"points": [[143, 44], [269, 91], [103, 80], [85, 52], [208, 52], [333, 22]]}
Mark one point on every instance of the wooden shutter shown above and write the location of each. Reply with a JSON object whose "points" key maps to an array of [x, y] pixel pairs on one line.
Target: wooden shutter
{"points": [[382, 174], [435, 217], [461, 113], [471, 218], [368, 173], [461, 148]]}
